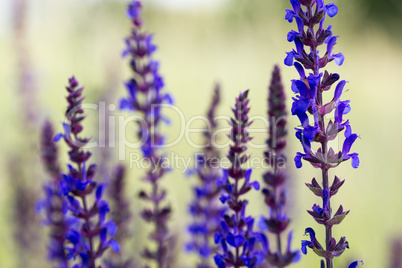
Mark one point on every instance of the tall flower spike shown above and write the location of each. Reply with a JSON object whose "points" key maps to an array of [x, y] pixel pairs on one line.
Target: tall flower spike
{"points": [[205, 208], [54, 204], [309, 107], [120, 213], [145, 96], [240, 245], [92, 235], [275, 178]]}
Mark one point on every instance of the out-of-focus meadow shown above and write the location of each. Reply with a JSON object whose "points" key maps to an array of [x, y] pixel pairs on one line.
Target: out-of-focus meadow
{"points": [[234, 42]]}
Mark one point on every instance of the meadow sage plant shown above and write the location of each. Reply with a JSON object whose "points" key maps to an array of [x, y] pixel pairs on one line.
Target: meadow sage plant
{"points": [[206, 208], [54, 204], [121, 215], [92, 235], [240, 245], [308, 105], [145, 96], [275, 178]]}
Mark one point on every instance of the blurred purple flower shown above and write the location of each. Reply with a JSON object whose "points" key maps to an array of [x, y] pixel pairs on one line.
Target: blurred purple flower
{"points": [[145, 96], [205, 208], [275, 179]]}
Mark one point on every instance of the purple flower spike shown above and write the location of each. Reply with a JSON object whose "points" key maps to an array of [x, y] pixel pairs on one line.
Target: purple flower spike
{"points": [[121, 215], [308, 104], [205, 209], [146, 97], [53, 204], [239, 245], [275, 178], [87, 237]]}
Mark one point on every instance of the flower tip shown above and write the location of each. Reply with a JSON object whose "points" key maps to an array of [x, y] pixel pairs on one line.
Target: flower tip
{"points": [[289, 58], [114, 245], [339, 59], [125, 105], [298, 161], [331, 9], [355, 161], [58, 137], [255, 185], [73, 81]]}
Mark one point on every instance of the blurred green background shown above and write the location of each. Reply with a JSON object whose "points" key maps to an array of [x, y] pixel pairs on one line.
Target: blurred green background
{"points": [[235, 42]]}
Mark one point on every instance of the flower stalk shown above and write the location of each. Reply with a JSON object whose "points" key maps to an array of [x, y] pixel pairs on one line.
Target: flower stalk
{"points": [[240, 245], [145, 97], [205, 207], [92, 235], [54, 204], [309, 104], [275, 178]]}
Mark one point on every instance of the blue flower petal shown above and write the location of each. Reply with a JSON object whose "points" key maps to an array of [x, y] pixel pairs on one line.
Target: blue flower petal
{"points": [[224, 198], [294, 87], [339, 89], [114, 245], [309, 132], [290, 14], [295, 5], [111, 227], [57, 137], [125, 105], [235, 241], [355, 160], [219, 261], [354, 264], [298, 161], [99, 191], [291, 36], [304, 244], [311, 232], [331, 9], [347, 144], [339, 59], [300, 25], [289, 58], [300, 70], [247, 175], [255, 185], [303, 89]]}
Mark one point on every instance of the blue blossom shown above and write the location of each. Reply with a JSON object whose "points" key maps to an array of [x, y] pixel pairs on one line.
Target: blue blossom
{"points": [[331, 9], [308, 104], [238, 243], [145, 96], [275, 178], [77, 185]]}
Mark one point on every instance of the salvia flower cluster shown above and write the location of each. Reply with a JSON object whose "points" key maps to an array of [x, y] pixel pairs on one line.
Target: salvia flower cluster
{"points": [[239, 244], [145, 96], [92, 235], [205, 207], [309, 105], [121, 215], [275, 178], [54, 204]]}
